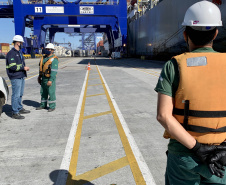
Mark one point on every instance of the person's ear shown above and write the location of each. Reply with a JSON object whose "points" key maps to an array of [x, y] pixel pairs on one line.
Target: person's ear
{"points": [[216, 33], [185, 36]]}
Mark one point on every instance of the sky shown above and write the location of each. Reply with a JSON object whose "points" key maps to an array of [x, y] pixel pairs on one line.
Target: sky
{"points": [[7, 32]]}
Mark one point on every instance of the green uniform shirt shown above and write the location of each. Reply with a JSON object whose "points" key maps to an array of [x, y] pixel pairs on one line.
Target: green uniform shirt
{"points": [[54, 67], [167, 84]]}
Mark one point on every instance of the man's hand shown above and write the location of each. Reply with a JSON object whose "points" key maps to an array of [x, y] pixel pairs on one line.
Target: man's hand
{"points": [[49, 83], [26, 68], [220, 157], [203, 152], [211, 155], [217, 169], [217, 163]]}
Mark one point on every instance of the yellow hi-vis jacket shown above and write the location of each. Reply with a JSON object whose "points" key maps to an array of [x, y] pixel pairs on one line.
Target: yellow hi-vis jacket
{"points": [[46, 68], [200, 100]]}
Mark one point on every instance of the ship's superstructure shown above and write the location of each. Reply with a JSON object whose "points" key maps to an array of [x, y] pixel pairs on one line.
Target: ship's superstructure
{"points": [[155, 29]]}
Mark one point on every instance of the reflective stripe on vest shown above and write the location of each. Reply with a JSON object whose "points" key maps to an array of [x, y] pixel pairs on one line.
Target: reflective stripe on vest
{"points": [[46, 68], [200, 100]]}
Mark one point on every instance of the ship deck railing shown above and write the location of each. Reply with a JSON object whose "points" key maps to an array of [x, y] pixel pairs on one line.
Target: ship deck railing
{"points": [[94, 2], [4, 3], [148, 6]]}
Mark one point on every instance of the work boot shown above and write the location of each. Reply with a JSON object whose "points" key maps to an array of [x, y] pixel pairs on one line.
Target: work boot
{"points": [[17, 116], [40, 108], [23, 111], [51, 110]]}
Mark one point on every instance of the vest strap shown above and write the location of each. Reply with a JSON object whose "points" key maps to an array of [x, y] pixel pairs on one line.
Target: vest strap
{"points": [[200, 129], [186, 113], [200, 114]]}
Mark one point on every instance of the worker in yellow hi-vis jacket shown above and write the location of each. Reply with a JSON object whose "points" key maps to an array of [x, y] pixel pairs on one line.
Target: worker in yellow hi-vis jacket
{"points": [[47, 78]]}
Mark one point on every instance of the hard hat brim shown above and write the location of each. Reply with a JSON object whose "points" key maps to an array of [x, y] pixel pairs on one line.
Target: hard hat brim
{"points": [[202, 25], [18, 41]]}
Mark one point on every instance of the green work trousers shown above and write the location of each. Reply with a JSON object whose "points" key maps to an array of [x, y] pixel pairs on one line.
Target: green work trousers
{"points": [[183, 169], [48, 91]]}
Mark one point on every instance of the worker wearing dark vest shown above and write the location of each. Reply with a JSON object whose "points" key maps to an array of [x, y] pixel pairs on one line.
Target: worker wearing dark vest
{"points": [[17, 72], [192, 103], [48, 68]]}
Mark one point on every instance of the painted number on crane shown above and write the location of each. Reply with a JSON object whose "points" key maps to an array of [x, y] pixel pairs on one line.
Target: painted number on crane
{"points": [[38, 9], [86, 10]]}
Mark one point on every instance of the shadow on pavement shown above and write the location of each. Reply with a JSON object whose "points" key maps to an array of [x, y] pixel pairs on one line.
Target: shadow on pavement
{"points": [[7, 109], [31, 103], [124, 62], [54, 175]]}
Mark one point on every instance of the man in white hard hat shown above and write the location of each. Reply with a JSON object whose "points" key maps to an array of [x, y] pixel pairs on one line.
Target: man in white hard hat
{"points": [[192, 103], [48, 68], [16, 70]]}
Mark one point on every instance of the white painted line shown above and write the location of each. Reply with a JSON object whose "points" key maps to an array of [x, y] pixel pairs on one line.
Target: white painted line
{"points": [[140, 160], [64, 168]]}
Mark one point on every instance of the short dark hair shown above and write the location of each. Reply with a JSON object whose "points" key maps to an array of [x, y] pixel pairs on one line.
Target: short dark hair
{"points": [[200, 38]]}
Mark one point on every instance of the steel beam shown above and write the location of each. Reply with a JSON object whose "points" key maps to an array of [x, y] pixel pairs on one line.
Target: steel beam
{"points": [[114, 16]]}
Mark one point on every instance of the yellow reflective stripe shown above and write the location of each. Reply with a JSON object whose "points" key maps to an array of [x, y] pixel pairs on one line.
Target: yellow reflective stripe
{"points": [[18, 67], [10, 65]]}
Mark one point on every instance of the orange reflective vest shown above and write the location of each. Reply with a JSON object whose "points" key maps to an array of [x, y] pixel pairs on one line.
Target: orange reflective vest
{"points": [[200, 100], [46, 68]]}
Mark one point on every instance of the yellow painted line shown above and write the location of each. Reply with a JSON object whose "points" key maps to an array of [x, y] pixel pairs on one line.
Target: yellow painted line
{"points": [[147, 72], [26, 79], [66, 62], [94, 84], [157, 72], [93, 79], [95, 95], [103, 170], [94, 74], [147, 69], [138, 177], [96, 115], [74, 157], [35, 74], [153, 73]]}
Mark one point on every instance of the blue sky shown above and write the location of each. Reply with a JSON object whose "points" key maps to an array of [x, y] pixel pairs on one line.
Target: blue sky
{"points": [[7, 32]]}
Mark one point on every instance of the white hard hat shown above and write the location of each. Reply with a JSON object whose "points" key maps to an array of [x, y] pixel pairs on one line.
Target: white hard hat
{"points": [[18, 38], [50, 46], [203, 16]]}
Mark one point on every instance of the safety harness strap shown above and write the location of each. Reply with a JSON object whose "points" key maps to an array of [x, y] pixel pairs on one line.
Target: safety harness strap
{"points": [[200, 114], [207, 114], [41, 66], [200, 129], [46, 68], [186, 113]]}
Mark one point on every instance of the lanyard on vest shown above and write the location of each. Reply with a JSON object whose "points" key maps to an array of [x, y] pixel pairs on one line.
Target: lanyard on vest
{"points": [[21, 56]]}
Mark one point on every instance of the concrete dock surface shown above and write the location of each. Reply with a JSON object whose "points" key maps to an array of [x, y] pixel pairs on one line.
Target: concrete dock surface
{"points": [[103, 132]]}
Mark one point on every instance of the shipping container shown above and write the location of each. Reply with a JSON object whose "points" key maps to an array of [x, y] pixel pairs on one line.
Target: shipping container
{"points": [[4, 44], [4, 48]]}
